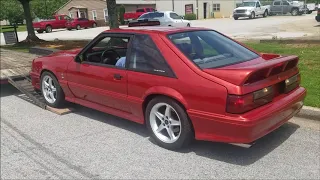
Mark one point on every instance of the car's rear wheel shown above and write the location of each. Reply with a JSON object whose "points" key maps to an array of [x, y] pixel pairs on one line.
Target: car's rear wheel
{"points": [[48, 29], [294, 12], [168, 123], [51, 90], [78, 27]]}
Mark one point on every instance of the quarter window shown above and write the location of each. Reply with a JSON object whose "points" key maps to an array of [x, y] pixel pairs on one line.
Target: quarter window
{"points": [[146, 57]]}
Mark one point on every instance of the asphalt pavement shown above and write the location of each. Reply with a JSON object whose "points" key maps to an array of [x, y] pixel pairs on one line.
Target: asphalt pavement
{"points": [[38, 144]]}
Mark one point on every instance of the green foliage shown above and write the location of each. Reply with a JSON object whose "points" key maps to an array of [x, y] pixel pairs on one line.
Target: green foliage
{"points": [[11, 10], [44, 9], [122, 10], [190, 17]]}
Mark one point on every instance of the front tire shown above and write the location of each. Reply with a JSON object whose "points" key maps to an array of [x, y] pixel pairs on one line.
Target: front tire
{"points": [[40, 31], [78, 27], [168, 123], [265, 14], [235, 18], [51, 90], [94, 25], [252, 16]]}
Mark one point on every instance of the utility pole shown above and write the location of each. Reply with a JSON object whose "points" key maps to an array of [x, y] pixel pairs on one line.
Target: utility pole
{"points": [[172, 5]]}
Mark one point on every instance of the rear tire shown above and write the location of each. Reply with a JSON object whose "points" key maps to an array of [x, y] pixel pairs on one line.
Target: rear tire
{"points": [[78, 27], [175, 128], [235, 18], [48, 29], [294, 12]]}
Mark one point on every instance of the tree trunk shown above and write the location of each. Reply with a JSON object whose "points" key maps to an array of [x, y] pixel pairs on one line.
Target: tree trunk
{"points": [[113, 14], [31, 34]]}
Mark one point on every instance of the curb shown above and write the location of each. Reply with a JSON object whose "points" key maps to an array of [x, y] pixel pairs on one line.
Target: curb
{"points": [[309, 113], [42, 51]]}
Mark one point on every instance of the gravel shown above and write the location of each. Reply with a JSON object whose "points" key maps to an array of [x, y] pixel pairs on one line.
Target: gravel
{"points": [[38, 144]]}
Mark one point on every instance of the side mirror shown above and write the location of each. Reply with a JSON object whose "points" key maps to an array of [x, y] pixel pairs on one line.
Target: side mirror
{"points": [[79, 58]]}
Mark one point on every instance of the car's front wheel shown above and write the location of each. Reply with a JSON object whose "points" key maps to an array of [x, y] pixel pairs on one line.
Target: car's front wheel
{"points": [[168, 123], [78, 27], [51, 90]]}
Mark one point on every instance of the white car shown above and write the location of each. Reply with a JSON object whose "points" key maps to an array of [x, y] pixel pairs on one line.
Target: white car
{"points": [[166, 18], [250, 9]]}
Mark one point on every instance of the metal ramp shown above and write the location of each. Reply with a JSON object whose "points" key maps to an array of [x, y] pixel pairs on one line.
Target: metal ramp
{"points": [[23, 84]]}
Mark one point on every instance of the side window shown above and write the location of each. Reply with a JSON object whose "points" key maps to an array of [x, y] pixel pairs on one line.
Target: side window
{"points": [[276, 3], [174, 16], [108, 51], [258, 4], [285, 3], [146, 57]]}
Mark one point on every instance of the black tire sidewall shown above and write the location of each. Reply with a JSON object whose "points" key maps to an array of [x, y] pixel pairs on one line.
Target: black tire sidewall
{"points": [[48, 30], [186, 135], [78, 27], [60, 94]]}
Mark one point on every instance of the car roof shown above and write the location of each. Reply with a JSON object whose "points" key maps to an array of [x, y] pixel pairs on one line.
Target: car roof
{"points": [[155, 29]]}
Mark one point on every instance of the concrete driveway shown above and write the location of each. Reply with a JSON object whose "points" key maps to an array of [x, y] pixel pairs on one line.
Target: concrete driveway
{"points": [[37, 144], [260, 28]]}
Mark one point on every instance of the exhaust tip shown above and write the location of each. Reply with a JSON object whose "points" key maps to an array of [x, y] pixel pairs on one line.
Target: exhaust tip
{"points": [[244, 145]]}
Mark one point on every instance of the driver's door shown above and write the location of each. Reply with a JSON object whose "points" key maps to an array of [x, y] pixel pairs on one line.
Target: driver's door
{"points": [[94, 81]]}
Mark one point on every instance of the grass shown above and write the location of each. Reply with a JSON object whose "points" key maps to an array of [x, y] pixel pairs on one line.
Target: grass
{"points": [[309, 65], [19, 29]]}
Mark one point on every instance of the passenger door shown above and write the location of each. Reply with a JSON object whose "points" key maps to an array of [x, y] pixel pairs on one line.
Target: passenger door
{"points": [[177, 20], [286, 7], [276, 7], [97, 80]]}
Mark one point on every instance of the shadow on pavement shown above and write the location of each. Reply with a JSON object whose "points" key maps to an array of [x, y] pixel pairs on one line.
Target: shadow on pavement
{"points": [[8, 90], [213, 150]]}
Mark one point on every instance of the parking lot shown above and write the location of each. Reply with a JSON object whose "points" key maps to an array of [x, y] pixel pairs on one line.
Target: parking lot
{"points": [[260, 28]]}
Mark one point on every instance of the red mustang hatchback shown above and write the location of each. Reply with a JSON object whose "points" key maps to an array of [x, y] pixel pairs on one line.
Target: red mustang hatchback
{"points": [[80, 23], [183, 83]]}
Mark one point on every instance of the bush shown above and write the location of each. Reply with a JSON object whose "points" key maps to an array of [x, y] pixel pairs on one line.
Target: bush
{"points": [[190, 17]]}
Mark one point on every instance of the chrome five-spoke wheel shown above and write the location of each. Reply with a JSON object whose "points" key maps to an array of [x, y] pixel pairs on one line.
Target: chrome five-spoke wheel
{"points": [[165, 122], [168, 123], [49, 89]]}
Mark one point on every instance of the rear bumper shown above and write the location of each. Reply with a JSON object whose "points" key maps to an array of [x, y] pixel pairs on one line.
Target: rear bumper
{"points": [[250, 126]]}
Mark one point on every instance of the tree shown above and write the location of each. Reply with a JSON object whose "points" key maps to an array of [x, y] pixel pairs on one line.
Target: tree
{"points": [[113, 14], [27, 14], [44, 9], [11, 11]]}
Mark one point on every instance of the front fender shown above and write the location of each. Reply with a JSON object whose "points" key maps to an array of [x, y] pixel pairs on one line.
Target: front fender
{"points": [[161, 90]]}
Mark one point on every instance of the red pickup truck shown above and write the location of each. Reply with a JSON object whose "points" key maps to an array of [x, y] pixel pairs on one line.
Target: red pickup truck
{"points": [[135, 15], [56, 22]]}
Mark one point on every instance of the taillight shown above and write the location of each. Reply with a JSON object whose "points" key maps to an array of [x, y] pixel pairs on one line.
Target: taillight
{"points": [[241, 104]]}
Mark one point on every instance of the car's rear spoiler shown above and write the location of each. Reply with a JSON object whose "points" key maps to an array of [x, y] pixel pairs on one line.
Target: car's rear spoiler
{"points": [[144, 22]]}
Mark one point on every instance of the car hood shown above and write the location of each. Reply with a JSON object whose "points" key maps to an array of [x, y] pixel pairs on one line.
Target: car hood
{"points": [[72, 52], [245, 8]]}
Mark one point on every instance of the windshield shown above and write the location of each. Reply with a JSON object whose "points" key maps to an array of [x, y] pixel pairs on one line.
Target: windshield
{"points": [[151, 15], [209, 49], [248, 4]]}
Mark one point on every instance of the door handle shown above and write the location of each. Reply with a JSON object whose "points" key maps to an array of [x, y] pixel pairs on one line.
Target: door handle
{"points": [[117, 76]]}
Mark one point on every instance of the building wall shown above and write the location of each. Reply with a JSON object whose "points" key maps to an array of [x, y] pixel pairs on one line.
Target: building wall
{"points": [[97, 5], [226, 7]]}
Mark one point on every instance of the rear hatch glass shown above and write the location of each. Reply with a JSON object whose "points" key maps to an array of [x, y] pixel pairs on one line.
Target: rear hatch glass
{"points": [[209, 49]]}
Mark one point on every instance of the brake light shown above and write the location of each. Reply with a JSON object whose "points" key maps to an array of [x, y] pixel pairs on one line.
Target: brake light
{"points": [[241, 104]]}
